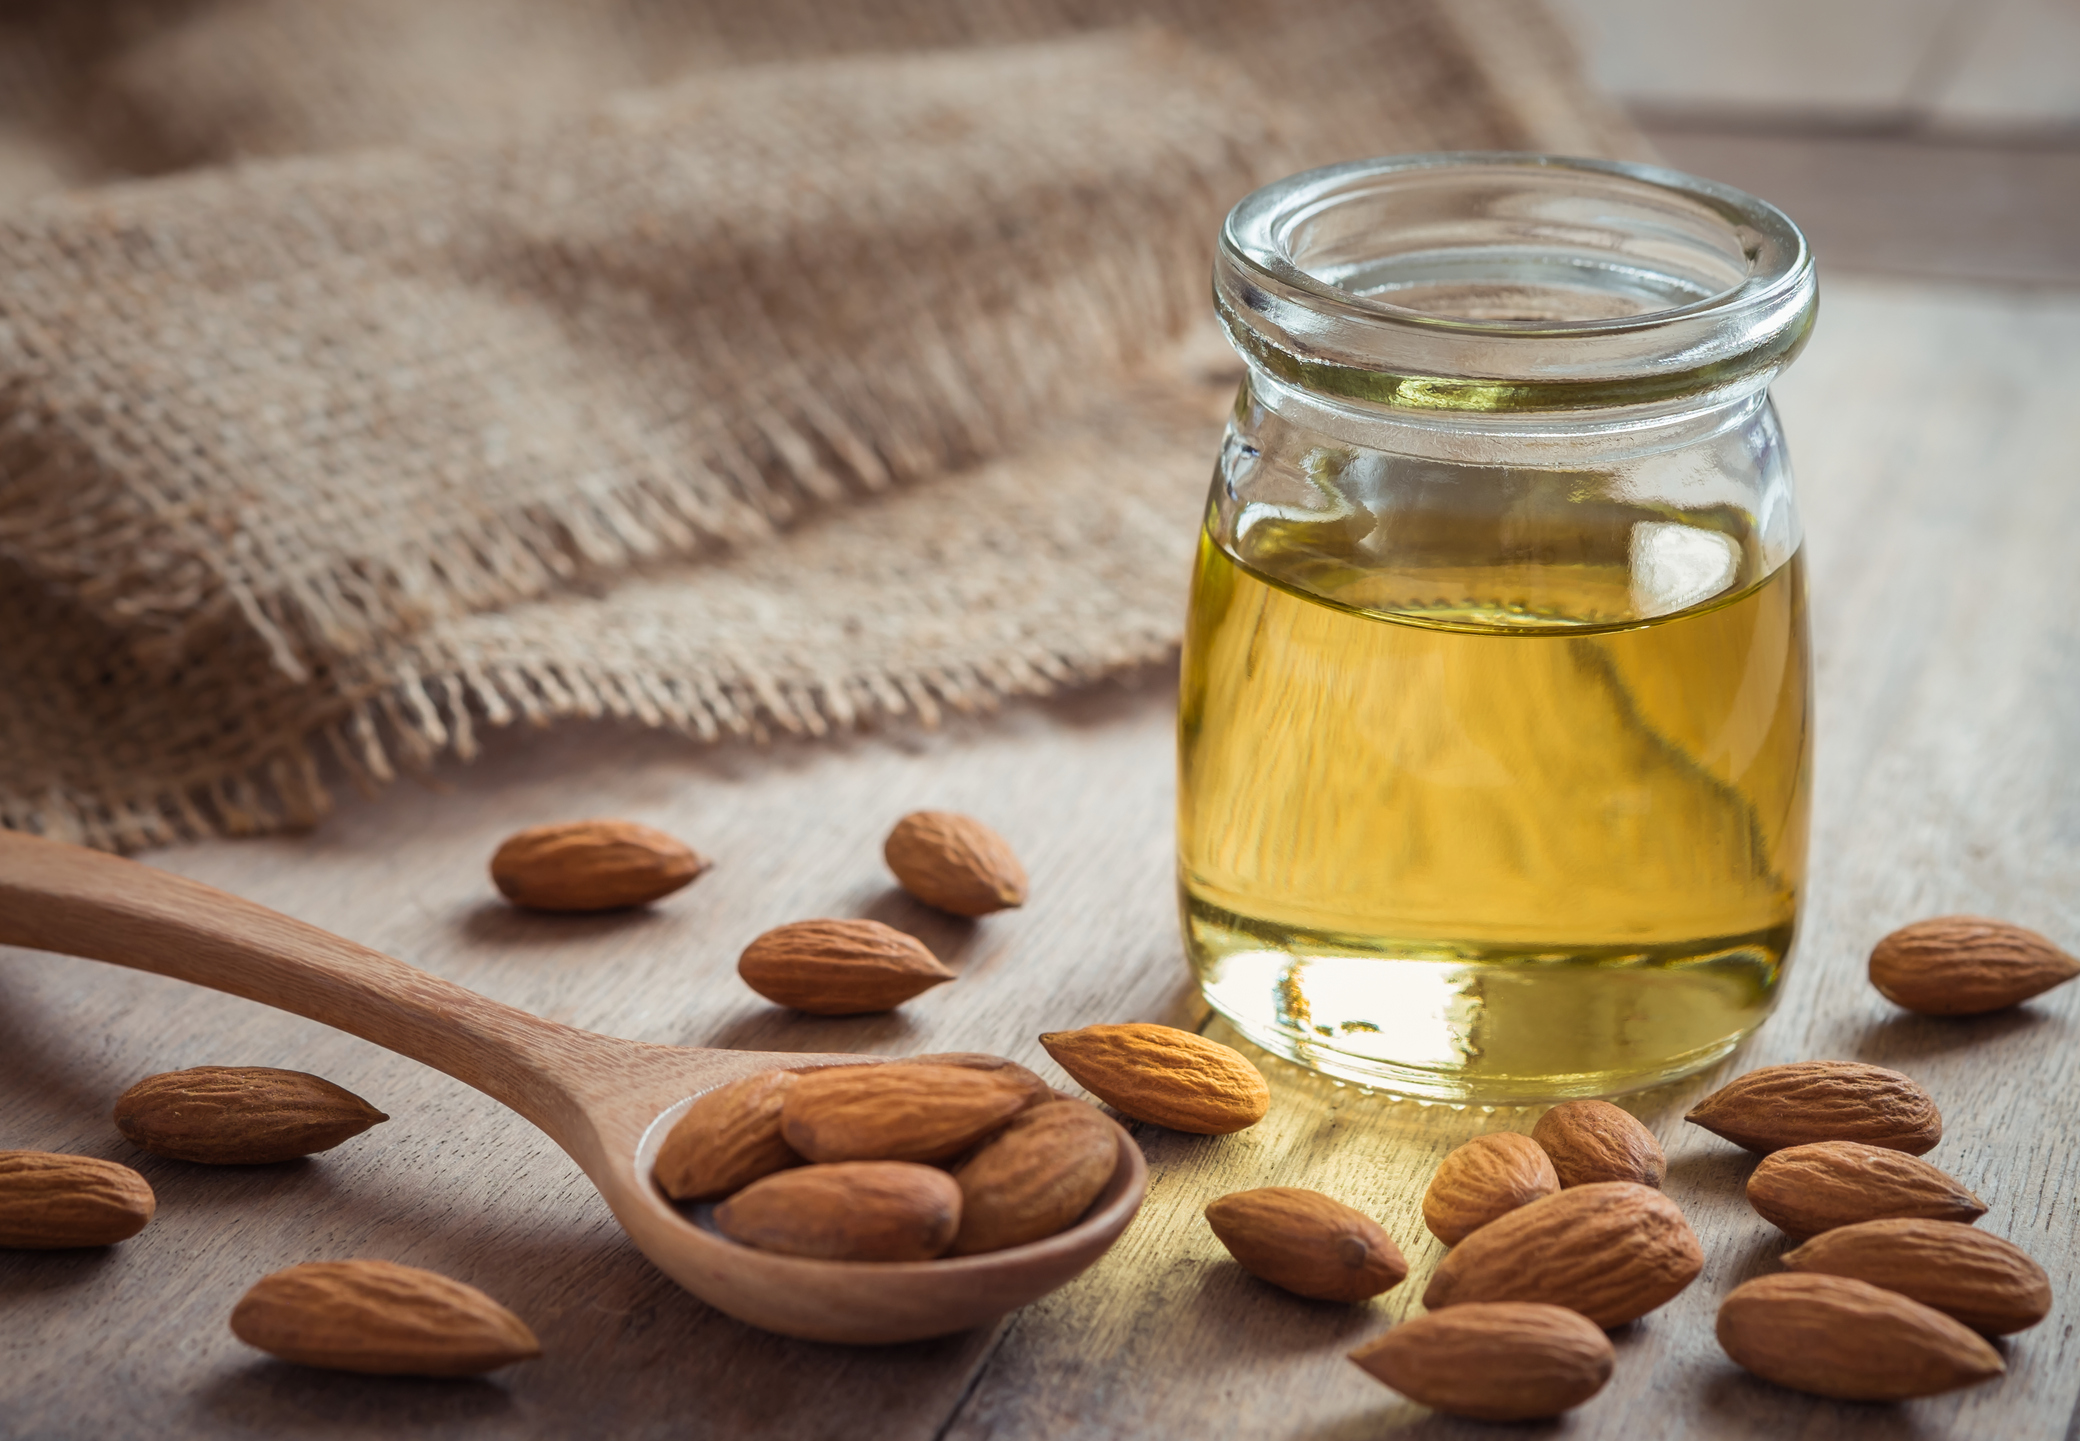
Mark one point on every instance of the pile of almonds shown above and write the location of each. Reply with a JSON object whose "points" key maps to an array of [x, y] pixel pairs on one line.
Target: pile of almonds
{"points": [[907, 1160], [1563, 1233], [1889, 1294]]}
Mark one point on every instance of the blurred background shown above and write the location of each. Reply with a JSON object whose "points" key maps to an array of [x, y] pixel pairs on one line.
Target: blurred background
{"points": [[1932, 138], [1910, 137]]}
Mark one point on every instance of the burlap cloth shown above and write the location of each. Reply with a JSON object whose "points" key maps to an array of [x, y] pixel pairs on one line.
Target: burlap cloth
{"points": [[731, 367]]}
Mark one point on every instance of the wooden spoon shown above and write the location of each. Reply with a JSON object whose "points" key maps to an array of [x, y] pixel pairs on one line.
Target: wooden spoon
{"points": [[607, 1102]]}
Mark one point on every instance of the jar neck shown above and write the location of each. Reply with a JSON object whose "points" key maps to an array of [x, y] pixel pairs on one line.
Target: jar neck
{"points": [[1544, 439], [1491, 285]]}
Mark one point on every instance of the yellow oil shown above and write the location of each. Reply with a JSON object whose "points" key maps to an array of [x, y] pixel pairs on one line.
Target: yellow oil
{"points": [[1484, 833]]}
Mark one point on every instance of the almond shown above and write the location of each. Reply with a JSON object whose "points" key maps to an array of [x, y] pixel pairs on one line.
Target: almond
{"points": [[1805, 1101], [1035, 1177], [896, 1113], [592, 866], [954, 863], [50, 1201], [853, 1211], [1487, 1177], [381, 1319], [240, 1115], [1966, 966], [1161, 1074], [1497, 1361], [1307, 1243], [1989, 1284], [1595, 1141], [1804, 1190], [839, 968], [1849, 1340], [1612, 1250], [727, 1139], [1038, 1092]]}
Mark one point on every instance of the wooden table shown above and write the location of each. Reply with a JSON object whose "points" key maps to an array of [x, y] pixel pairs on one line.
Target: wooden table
{"points": [[1936, 434]]}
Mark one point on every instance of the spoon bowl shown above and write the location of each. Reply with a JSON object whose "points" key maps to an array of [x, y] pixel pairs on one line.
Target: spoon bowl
{"points": [[607, 1102]]}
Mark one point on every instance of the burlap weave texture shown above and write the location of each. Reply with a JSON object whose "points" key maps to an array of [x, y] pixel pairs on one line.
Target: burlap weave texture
{"points": [[848, 366]]}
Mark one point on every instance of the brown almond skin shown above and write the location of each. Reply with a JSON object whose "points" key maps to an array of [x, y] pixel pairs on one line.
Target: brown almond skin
{"points": [[1848, 1340], [727, 1139], [1489, 1176], [851, 1211], [1806, 1101], [1591, 1141], [1804, 1190], [839, 968], [50, 1201], [592, 866], [240, 1115], [1038, 1092], [1307, 1243], [955, 863], [1495, 1361], [1163, 1075], [380, 1319], [896, 1113], [1612, 1250], [1035, 1177], [1966, 966], [1988, 1284]]}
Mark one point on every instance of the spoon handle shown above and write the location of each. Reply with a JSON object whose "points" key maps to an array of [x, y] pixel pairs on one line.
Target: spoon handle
{"points": [[65, 898]]}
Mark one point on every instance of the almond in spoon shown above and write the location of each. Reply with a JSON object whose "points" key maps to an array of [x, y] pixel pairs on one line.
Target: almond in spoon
{"points": [[896, 1113], [727, 1139], [1497, 1361], [1487, 1177], [1161, 1074], [839, 968], [1849, 1340], [1989, 1284], [1804, 1190], [1806, 1101], [1307, 1243], [240, 1115], [1966, 966], [851, 1211], [380, 1319], [50, 1201], [1035, 1177], [1038, 1092]]}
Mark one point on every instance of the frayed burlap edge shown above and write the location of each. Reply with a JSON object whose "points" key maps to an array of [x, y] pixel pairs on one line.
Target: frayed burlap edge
{"points": [[416, 722]]}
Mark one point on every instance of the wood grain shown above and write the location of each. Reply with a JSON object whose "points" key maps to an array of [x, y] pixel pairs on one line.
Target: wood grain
{"points": [[1934, 433]]}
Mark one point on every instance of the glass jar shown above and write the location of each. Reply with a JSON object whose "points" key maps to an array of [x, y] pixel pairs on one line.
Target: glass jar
{"points": [[1494, 750]]}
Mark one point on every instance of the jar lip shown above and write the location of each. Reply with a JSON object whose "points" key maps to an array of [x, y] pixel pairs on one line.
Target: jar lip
{"points": [[1313, 331]]}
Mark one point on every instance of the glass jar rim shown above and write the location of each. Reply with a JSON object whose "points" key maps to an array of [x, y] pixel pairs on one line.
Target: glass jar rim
{"points": [[1631, 222]]}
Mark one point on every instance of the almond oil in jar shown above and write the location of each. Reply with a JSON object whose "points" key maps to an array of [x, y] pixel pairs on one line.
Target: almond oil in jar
{"points": [[1466, 848]]}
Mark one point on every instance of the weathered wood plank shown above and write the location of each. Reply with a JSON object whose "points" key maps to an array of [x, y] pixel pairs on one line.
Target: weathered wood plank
{"points": [[1934, 438]]}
